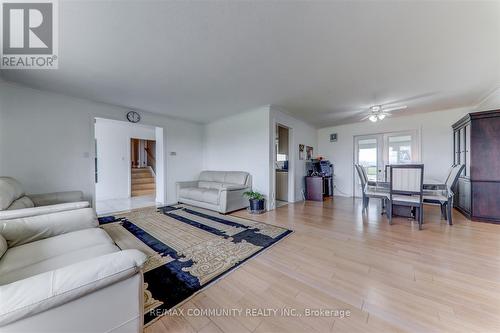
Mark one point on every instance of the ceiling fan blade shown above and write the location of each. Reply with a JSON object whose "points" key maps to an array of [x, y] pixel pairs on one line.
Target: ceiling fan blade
{"points": [[408, 99], [395, 108], [365, 117]]}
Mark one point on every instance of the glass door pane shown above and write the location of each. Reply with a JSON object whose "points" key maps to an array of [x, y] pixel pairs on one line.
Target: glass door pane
{"points": [[368, 153], [400, 151], [367, 157]]}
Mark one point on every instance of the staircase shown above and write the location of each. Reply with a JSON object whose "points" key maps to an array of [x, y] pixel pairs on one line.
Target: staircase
{"points": [[143, 182]]}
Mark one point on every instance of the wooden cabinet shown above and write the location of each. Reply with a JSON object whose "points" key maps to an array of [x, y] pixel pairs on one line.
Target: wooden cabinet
{"points": [[462, 196], [282, 185], [317, 187], [314, 188], [476, 144]]}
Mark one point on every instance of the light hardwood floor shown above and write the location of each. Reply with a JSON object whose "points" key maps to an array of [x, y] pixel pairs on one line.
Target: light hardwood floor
{"points": [[392, 278]]}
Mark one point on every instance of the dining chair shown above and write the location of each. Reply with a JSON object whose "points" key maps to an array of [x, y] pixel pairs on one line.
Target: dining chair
{"points": [[369, 191], [450, 172], [444, 197], [365, 174], [387, 168], [406, 189]]}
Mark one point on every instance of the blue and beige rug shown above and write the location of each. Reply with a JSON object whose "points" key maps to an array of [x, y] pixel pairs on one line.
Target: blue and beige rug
{"points": [[187, 248]]}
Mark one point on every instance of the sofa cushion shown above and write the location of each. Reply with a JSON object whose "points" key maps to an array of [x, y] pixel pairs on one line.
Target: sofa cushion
{"points": [[21, 203], [233, 177], [10, 190], [58, 262], [43, 255], [212, 176], [200, 194], [210, 185], [236, 177], [47, 291]]}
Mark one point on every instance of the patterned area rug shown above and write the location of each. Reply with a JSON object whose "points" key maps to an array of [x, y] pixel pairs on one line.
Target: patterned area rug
{"points": [[187, 247]]}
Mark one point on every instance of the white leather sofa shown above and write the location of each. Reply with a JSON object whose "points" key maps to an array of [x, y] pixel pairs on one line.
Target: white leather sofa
{"points": [[59, 272], [221, 191], [15, 204]]}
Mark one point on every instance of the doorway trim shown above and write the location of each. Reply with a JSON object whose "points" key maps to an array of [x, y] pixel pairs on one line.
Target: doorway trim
{"points": [[291, 163], [160, 181]]}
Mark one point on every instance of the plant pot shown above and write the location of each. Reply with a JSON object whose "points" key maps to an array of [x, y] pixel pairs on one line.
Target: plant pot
{"points": [[256, 205]]}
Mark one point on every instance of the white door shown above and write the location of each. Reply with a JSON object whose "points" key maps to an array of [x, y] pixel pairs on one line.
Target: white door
{"points": [[376, 151]]}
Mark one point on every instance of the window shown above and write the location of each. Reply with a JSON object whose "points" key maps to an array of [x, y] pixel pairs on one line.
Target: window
{"points": [[400, 149], [281, 157]]}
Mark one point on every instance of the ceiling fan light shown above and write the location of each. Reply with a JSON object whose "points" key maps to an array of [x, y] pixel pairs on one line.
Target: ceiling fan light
{"points": [[381, 116], [373, 118]]}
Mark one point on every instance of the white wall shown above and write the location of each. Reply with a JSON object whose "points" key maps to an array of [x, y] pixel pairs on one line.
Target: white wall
{"points": [[47, 141], [240, 143], [435, 135], [113, 156], [245, 142], [301, 133], [160, 160], [490, 102]]}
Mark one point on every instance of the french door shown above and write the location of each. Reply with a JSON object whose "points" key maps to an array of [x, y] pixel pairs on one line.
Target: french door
{"points": [[375, 151]]}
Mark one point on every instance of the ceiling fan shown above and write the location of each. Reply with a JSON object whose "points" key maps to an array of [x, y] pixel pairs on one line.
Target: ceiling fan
{"points": [[379, 112]]}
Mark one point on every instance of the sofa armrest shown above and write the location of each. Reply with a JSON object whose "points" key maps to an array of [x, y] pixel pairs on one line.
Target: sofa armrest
{"points": [[47, 290], [46, 199], [26, 212], [29, 229], [193, 183], [180, 185], [231, 200]]}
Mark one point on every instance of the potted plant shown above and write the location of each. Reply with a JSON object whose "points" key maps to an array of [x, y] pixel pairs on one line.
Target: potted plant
{"points": [[256, 201]]}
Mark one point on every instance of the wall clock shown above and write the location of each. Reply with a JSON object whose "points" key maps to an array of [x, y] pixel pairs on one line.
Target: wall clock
{"points": [[133, 117]]}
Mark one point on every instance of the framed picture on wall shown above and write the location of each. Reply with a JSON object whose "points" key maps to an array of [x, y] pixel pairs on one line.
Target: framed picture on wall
{"points": [[301, 152], [309, 152]]}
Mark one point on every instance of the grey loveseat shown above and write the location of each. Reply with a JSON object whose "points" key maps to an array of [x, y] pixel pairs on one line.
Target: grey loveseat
{"points": [[14, 203], [221, 191]]}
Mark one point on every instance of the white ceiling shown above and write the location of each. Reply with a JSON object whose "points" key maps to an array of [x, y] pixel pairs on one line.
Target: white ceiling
{"points": [[322, 61]]}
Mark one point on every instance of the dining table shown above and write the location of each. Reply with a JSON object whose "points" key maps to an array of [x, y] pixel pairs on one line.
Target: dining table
{"points": [[429, 185]]}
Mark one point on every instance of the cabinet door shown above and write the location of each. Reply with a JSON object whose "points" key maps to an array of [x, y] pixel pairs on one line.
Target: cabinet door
{"points": [[467, 151], [461, 145], [486, 200], [456, 148], [464, 194], [314, 188]]}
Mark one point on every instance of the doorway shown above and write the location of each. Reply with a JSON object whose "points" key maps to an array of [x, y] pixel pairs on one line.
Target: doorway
{"points": [[129, 169], [282, 157], [375, 151], [143, 167]]}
